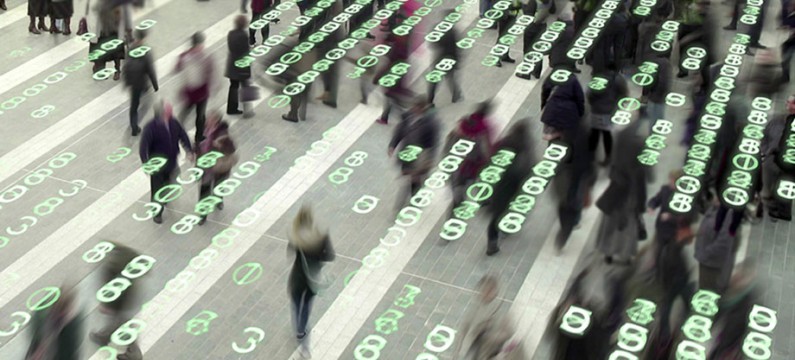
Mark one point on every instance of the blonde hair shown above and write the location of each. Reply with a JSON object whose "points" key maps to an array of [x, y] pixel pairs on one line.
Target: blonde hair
{"points": [[305, 234]]}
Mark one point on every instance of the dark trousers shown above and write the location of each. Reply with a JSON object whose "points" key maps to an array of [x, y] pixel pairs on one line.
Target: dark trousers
{"points": [[135, 103], [298, 104], [683, 290], [737, 217], [331, 82], [302, 305], [157, 181], [593, 141], [736, 13], [685, 30], [493, 231], [252, 34], [455, 88], [787, 50], [232, 102], [710, 279], [389, 103], [201, 109], [206, 188]]}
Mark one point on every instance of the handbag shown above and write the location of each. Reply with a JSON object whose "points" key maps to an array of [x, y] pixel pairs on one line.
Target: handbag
{"points": [[318, 280], [82, 27], [249, 93]]}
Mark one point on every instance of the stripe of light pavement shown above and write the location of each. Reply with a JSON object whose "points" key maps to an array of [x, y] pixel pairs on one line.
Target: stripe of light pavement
{"points": [[11, 16], [284, 192], [41, 63], [45, 141], [340, 323], [547, 279]]}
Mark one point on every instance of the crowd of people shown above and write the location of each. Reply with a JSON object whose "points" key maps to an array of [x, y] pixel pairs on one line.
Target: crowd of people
{"points": [[569, 114]]}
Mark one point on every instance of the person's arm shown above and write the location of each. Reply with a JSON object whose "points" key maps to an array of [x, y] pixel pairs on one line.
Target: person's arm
{"points": [[579, 97], [146, 141], [150, 70], [656, 200], [183, 137]]}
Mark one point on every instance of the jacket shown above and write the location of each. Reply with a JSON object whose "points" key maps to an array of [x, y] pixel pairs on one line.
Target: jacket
{"points": [[137, 70], [714, 251], [158, 140], [197, 69], [422, 132], [605, 101], [563, 105], [308, 262], [237, 42]]}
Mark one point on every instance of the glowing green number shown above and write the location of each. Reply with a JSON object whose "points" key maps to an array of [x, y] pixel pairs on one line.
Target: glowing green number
{"points": [[642, 79], [49, 295], [128, 333], [621, 117], [388, 80], [649, 157], [560, 75], [12, 103], [244, 62], [279, 101], [340, 176], [294, 89], [247, 273], [523, 203], [466, 43], [37, 89], [139, 51], [642, 311], [98, 252], [122, 153], [104, 74], [146, 24], [154, 165], [387, 323], [225, 238], [597, 83], [308, 77], [113, 290], [367, 61], [112, 44], [511, 223], [47, 206]]}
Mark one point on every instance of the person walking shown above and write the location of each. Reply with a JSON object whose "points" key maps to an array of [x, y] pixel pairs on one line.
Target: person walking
{"points": [[161, 138], [312, 247], [396, 94], [518, 141], [476, 127], [603, 103], [446, 49], [420, 128], [237, 43], [137, 70], [715, 253], [487, 330], [216, 138], [197, 69], [623, 202], [114, 20], [57, 331]]}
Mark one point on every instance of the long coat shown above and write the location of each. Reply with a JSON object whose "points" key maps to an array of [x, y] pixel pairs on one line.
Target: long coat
{"points": [[563, 104], [237, 42], [424, 133]]}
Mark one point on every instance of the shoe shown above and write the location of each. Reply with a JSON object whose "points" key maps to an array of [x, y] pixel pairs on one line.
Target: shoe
{"points": [[252, 41], [330, 104], [322, 97], [526, 77], [509, 60], [3, 5], [158, 219], [369, 36], [32, 28], [53, 28], [136, 130], [681, 74], [730, 28], [382, 121], [117, 75], [42, 26], [202, 221], [757, 46], [498, 64], [67, 27], [303, 350], [234, 112], [220, 206], [492, 250], [287, 118]]}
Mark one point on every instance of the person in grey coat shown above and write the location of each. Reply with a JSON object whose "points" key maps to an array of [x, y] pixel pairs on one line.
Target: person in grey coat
{"points": [[624, 201], [237, 42], [138, 73], [715, 252]]}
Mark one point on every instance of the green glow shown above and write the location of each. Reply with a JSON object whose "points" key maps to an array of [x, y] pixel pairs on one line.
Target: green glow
{"points": [[128, 333], [405, 301], [247, 273], [340, 176], [16, 325], [642, 311], [139, 51], [168, 193], [410, 153], [113, 289], [154, 165], [598, 83], [146, 24], [46, 297], [576, 321], [366, 350], [200, 324], [98, 252], [225, 238], [119, 154], [46, 207], [348, 278], [387, 323]]}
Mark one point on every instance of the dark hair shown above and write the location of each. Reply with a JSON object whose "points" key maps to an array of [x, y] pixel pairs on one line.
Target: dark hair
{"points": [[197, 38]]}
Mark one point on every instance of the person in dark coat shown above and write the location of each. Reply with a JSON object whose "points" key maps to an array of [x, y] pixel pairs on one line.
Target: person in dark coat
{"points": [[774, 167], [503, 24], [237, 43], [37, 9], [161, 138], [197, 68], [624, 201], [715, 252], [312, 248], [395, 95], [518, 141], [300, 102], [114, 24], [419, 127], [57, 331], [656, 92], [603, 103], [557, 56], [563, 105], [138, 73], [61, 10], [446, 48], [330, 77], [532, 32]]}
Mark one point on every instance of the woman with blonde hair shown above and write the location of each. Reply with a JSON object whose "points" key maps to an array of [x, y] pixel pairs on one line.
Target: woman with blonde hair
{"points": [[312, 247]]}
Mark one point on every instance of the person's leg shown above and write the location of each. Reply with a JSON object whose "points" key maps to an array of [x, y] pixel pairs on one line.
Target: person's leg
{"points": [[252, 34], [32, 26], [232, 104], [593, 139], [493, 235], [608, 142], [735, 16], [786, 60], [42, 25], [135, 101], [67, 26], [737, 218], [455, 87], [722, 211], [387, 109], [157, 181], [201, 108], [303, 102], [304, 308], [431, 92]]}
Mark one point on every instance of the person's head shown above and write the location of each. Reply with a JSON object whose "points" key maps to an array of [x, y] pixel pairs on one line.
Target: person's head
{"points": [[305, 234], [197, 39], [163, 111], [241, 22], [791, 104], [487, 286]]}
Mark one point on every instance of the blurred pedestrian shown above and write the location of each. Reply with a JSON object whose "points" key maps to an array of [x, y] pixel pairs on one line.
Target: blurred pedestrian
{"points": [[57, 331], [476, 127], [394, 95], [518, 141], [137, 70], [216, 138], [562, 105], [623, 202], [446, 49], [419, 127], [161, 138], [774, 167], [487, 330], [312, 248], [114, 24], [61, 10], [197, 69], [237, 43], [603, 102], [715, 252], [258, 9]]}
